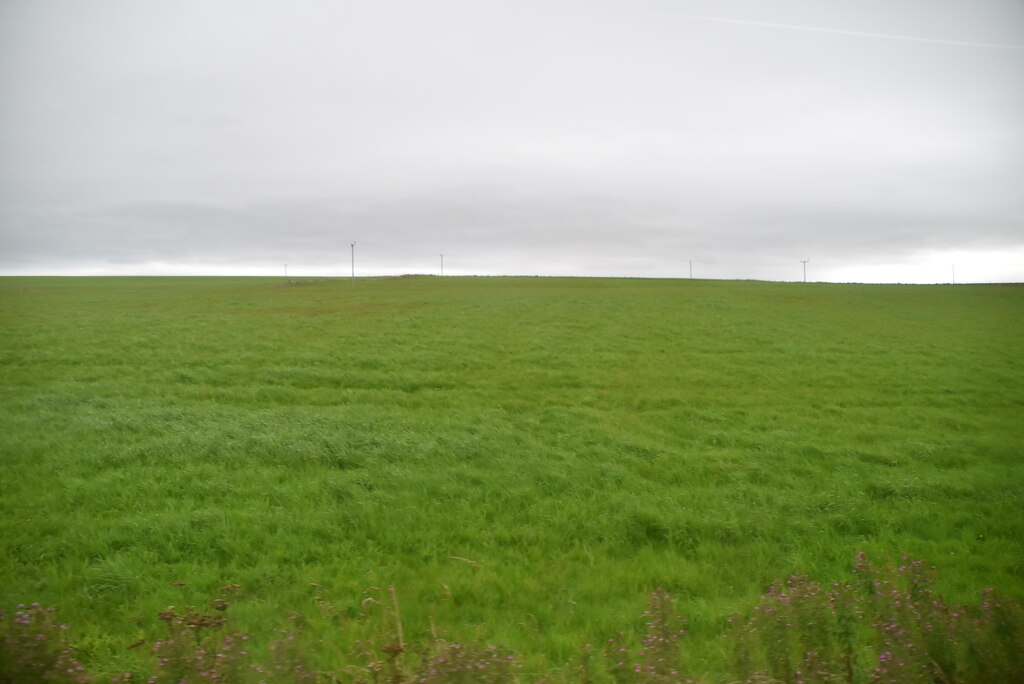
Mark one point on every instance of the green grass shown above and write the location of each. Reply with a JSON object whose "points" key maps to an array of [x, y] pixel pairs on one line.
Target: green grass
{"points": [[523, 459]]}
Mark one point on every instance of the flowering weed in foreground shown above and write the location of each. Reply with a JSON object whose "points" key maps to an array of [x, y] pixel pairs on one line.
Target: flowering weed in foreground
{"points": [[194, 648], [658, 657], [34, 648], [449, 662], [388, 657], [886, 625]]}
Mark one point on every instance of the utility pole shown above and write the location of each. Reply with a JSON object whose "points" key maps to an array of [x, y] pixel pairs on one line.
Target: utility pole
{"points": [[691, 269], [804, 262], [286, 271], [442, 264], [353, 264]]}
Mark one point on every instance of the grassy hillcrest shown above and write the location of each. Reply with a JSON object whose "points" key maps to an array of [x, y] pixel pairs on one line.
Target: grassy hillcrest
{"points": [[524, 459]]}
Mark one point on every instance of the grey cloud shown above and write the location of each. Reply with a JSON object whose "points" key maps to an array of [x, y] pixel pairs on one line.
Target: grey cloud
{"points": [[583, 135]]}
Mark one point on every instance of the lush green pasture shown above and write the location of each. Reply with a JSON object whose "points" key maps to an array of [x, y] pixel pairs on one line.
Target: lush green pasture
{"points": [[523, 459]]}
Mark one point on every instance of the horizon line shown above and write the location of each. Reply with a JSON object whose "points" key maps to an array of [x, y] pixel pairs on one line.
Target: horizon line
{"points": [[346, 278]]}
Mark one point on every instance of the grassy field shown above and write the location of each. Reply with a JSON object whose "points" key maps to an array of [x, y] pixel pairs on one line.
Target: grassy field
{"points": [[523, 459]]}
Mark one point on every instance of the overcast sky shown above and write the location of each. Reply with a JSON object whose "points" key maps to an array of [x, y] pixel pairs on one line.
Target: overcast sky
{"points": [[883, 140]]}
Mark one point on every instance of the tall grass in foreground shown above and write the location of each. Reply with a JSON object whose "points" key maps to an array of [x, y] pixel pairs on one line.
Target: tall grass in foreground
{"points": [[523, 458], [884, 625]]}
